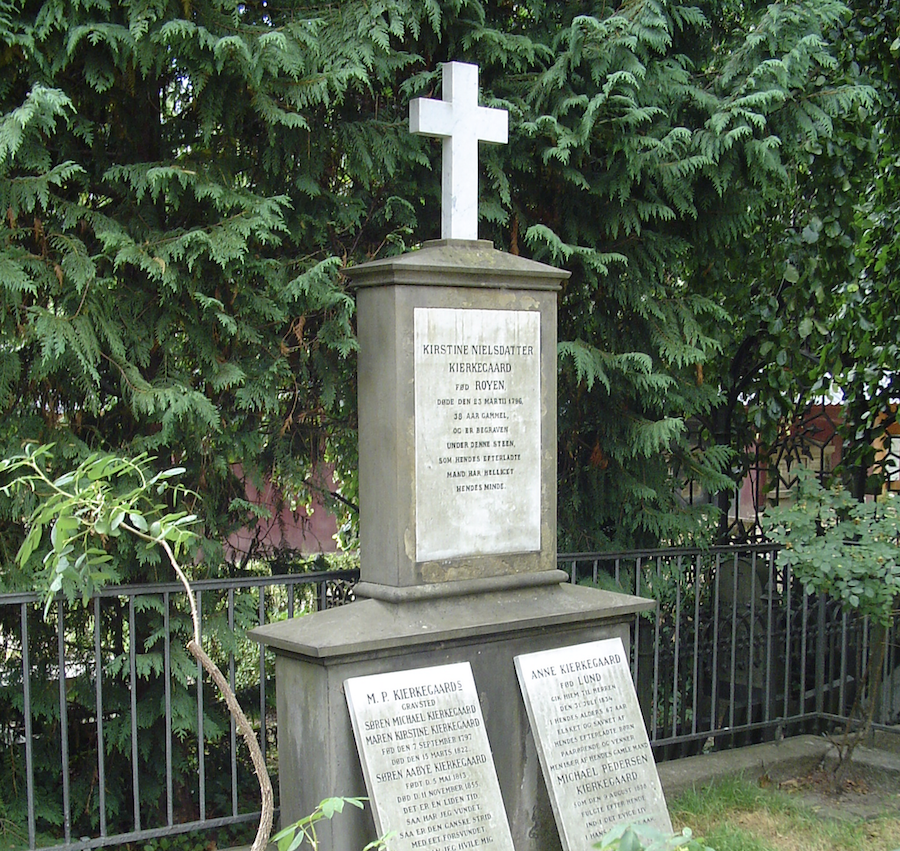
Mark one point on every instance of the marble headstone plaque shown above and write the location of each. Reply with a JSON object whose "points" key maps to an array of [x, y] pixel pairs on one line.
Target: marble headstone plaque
{"points": [[426, 759], [591, 741], [478, 432]]}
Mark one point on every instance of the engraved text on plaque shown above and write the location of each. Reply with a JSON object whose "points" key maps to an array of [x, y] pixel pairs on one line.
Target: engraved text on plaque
{"points": [[478, 432]]}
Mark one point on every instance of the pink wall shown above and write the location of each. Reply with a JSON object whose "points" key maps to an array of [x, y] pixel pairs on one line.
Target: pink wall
{"points": [[297, 530]]}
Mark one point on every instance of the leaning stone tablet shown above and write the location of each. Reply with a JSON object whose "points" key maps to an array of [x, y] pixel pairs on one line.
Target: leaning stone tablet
{"points": [[426, 759], [591, 741]]}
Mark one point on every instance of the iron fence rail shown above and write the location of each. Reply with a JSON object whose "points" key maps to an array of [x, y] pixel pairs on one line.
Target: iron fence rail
{"points": [[62, 677], [109, 735], [737, 651]]}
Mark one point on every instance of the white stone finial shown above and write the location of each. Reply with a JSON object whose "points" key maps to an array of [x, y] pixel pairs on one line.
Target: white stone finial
{"points": [[461, 123]]}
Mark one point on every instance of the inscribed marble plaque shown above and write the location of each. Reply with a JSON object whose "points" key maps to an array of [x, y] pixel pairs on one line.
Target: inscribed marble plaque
{"points": [[591, 741], [426, 760], [478, 432]]}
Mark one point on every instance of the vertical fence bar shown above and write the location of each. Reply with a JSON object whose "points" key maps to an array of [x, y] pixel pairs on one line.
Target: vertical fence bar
{"points": [[675, 666], [804, 648], [770, 634], [696, 651], [636, 665], [201, 733], [822, 639], [261, 619], [886, 669], [63, 717], [635, 645], [788, 625], [233, 738], [751, 638], [167, 686], [26, 713], [714, 690], [865, 653], [845, 647], [132, 672], [891, 670], [733, 662], [654, 723], [101, 747]]}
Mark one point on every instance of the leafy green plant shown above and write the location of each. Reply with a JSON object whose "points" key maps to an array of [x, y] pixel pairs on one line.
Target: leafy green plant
{"points": [[840, 546], [103, 498], [643, 837], [186, 842], [304, 830], [182, 183], [850, 550]]}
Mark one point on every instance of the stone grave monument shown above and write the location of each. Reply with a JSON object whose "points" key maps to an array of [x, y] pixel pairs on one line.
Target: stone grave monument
{"points": [[457, 454]]}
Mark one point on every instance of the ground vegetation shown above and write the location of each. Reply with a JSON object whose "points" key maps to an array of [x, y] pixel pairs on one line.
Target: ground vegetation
{"points": [[848, 549]]}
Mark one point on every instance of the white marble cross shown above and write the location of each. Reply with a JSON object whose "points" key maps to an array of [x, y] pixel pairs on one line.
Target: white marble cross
{"points": [[461, 123]]}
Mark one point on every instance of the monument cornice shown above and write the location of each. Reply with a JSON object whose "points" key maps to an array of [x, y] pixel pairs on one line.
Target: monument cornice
{"points": [[372, 628], [458, 263]]}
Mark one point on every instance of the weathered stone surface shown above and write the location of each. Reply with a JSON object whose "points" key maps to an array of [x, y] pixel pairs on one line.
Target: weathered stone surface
{"points": [[429, 606], [427, 761], [315, 655], [376, 626], [478, 432], [417, 535], [591, 740], [470, 263]]}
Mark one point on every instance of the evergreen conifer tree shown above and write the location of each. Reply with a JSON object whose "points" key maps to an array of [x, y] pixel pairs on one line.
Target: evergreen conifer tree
{"points": [[182, 183]]}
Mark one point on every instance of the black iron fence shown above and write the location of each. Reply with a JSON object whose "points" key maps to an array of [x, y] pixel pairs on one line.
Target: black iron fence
{"points": [[737, 652], [109, 734]]}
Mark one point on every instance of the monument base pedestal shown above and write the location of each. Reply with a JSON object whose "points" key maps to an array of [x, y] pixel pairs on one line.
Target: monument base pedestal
{"points": [[315, 654]]}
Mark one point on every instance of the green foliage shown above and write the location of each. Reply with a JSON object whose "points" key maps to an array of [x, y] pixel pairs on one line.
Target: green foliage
{"points": [[842, 547], [162, 289], [84, 508], [182, 184], [810, 315], [199, 841], [149, 680], [862, 352], [304, 830], [664, 143], [642, 837]]}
